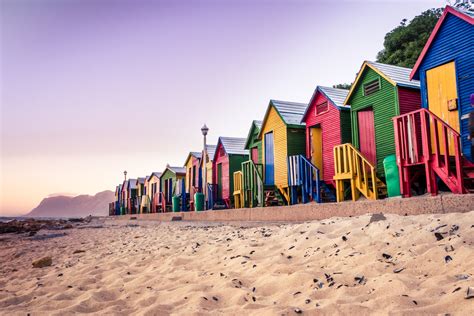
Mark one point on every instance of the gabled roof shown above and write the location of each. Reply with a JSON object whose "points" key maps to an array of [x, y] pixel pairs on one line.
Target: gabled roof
{"points": [[335, 95], [255, 125], [232, 146], [132, 184], [211, 150], [291, 113], [176, 170], [141, 180], [464, 15], [396, 75], [154, 173], [194, 154]]}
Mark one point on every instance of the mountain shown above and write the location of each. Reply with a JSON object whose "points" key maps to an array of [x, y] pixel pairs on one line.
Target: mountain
{"points": [[77, 206]]}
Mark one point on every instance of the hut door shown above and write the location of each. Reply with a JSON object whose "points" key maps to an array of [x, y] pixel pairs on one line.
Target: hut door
{"points": [[443, 97], [317, 148], [269, 160], [367, 135], [219, 181], [170, 190]]}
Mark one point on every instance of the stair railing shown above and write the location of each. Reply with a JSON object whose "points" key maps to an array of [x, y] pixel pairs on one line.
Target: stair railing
{"points": [[421, 137], [302, 173], [253, 187], [238, 189], [350, 164]]}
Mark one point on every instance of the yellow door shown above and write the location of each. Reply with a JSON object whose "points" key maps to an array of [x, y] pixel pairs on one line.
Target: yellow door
{"points": [[317, 149], [443, 97]]}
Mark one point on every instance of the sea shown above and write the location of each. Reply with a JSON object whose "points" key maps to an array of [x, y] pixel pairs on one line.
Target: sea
{"points": [[6, 219]]}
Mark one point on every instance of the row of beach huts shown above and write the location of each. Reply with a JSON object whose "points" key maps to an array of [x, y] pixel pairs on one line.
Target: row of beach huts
{"points": [[396, 132]]}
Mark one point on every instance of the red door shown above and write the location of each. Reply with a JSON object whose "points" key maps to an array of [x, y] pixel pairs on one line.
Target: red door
{"points": [[367, 135]]}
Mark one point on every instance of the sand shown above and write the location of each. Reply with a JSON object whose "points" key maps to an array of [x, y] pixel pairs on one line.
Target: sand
{"points": [[336, 266]]}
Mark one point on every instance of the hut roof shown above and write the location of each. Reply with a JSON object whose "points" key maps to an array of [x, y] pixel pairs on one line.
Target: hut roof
{"points": [[335, 95], [177, 170], [464, 15], [195, 154], [256, 124], [233, 145]]}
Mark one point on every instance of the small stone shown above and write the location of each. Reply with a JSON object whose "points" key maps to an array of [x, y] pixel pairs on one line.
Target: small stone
{"points": [[447, 259], [438, 236], [461, 277], [215, 298], [298, 311], [398, 270], [43, 262], [449, 248], [386, 256], [307, 301], [470, 293], [78, 251]]}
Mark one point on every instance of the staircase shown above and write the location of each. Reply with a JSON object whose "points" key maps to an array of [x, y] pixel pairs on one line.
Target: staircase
{"points": [[274, 197], [327, 193], [252, 181], [238, 190], [351, 166], [303, 176], [423, 139]]}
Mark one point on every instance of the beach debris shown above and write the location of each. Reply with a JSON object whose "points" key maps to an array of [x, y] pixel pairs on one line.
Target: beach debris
{"points": [[449, 248], [307, 301], [470, 292], [254, 298], [386, 256], [360, 279], [447, 259], [289, 257], [60, 275], [457, 289], [43, 262], [78, 251], [415, 302], [398, 270], [298, 311], [438, 236], [461, 277], [344, 238], [377, 217], [296, 293], [205, 298], [215, 298], [454, 229]]}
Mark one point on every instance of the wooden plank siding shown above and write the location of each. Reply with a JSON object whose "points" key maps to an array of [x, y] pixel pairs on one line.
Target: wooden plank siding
{"points": [[254, 142], [385, 106], [275, 124], [454, 41], [222, 158], [192, 162], [328, 121]]}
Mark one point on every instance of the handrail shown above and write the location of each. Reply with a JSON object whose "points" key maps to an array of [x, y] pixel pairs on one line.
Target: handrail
{"points": [[238, 189], [253, 183], [423, 126], [302, 172], [350, 164]]}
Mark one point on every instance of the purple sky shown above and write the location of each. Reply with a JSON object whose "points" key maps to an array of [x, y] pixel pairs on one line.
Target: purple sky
{"points": [[90, 88]]}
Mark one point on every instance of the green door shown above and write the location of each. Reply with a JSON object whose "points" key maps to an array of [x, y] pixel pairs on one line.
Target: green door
{"points": [[219, 181]]}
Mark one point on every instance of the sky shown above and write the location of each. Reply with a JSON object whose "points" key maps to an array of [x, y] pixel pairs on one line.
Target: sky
{"points": [[89, 89]]}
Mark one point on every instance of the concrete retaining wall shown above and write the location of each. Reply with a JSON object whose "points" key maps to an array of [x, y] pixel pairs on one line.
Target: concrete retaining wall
{"points": [[447, 203]]}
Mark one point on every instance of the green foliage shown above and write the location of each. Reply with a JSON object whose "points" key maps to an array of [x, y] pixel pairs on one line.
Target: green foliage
{"points": [[403, 44], [346, 86]]}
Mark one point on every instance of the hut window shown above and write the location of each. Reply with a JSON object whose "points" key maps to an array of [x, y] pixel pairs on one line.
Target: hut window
{"points": [[371, 87], [321, 108]]}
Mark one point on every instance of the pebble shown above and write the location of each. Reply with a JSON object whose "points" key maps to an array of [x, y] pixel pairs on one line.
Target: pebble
{"points": [[43, 262], [447, 259], [470, 292]]}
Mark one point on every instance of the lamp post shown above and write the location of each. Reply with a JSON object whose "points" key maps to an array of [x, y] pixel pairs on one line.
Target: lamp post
{"points": [[204, 131], [125, 174]]}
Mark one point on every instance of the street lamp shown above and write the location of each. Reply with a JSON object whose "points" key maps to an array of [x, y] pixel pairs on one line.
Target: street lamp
{"points": [[204, 131], [125, 174]]}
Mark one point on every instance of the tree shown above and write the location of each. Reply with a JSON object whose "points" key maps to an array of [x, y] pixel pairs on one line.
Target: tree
{"points": [[346, 86], [403, 44]]}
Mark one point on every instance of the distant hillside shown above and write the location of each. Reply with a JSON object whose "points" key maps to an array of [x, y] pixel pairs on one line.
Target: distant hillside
{"points": [[78, 206]]}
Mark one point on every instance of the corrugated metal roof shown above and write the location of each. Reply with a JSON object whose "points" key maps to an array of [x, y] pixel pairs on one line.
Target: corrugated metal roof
{"points": [[291, 112], [234, 145], [399, 75], [258, 123], [337, 96], [132, 183], [211, 150], [141, 180], [196, 154], [177, 169], [156, 174]]}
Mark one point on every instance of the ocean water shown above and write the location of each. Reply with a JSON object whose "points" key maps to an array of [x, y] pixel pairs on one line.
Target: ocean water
{"points": [[6, 219]]}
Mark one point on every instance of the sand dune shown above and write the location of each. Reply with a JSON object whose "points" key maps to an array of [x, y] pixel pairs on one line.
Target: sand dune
{"points": [[336, 266]]}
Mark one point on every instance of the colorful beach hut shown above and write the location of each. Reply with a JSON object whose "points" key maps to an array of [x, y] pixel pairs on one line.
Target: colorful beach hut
{"points": [[131, 189], [251, 193], [328, 123], [153, 195], [283, 136], [140, 184], [169, 185], [379, 93], [437, 138], [228, 157], [118, 199], [193, 176], [208, 186]]}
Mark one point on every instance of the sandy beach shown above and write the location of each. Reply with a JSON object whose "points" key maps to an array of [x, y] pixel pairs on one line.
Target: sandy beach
{"points": [[364, 265]]}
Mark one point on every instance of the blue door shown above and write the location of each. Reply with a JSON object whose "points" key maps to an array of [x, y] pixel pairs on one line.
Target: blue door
{"points": [[269, 160]]}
